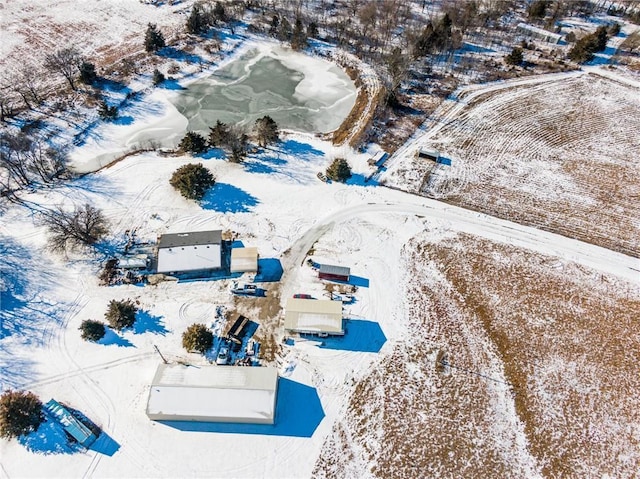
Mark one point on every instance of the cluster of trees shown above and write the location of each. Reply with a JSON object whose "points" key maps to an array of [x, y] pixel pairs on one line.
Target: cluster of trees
{"points": [[119, 315], [28, 161], [20, 413], [203, 16], [198, 338], [296, 35], [583, 50], [231, 138]]}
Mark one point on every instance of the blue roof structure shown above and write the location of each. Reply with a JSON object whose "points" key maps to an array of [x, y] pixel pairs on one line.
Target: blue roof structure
{"points": [[71, 425]]}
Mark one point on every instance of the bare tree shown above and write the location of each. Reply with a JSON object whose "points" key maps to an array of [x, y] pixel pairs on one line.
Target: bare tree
{"points": [[236, 145], [27, 160], [66, 62], [84, 226]]}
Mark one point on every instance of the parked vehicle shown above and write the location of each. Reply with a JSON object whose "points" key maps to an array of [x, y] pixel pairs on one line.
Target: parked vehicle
{"points": [[303, 296], [244, 288], [223, 356]]}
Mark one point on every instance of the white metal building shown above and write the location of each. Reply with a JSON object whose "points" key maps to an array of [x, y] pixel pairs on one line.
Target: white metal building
{"points": [[193, 251], [244, 260], [213, 393], [313, 316]]}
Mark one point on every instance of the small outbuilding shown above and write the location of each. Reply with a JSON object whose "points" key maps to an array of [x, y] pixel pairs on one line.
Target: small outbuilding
{"points": [[429, 154], [244, 260], [194, 251], [333, 273], [211, 393], [72, 426], [314, 316], [378, 159]]}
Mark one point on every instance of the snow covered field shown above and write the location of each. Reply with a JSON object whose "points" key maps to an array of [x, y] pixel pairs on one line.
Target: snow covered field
{"points": [[475, 345]]}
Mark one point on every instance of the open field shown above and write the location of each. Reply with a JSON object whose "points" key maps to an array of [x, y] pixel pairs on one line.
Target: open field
{"points": [[561, 154], [515, 365]]}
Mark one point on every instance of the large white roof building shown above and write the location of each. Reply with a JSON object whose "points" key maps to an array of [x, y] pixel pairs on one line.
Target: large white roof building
{"points": [[213, 393], [180, 252]]}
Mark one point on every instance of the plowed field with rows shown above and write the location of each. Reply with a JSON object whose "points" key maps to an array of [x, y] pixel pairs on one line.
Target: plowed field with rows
{"points": [[562, 155]]}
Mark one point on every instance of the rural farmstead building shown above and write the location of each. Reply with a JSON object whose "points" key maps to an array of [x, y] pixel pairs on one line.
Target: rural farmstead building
{"points": [[179, 252], [334, 273], [314, 316], [244, 260], [213, 394]]}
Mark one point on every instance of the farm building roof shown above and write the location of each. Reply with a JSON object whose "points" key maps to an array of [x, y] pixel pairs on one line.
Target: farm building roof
{"points": [[213, 393], [194, 238], [313, 316], [244, 259], [335, 270]]}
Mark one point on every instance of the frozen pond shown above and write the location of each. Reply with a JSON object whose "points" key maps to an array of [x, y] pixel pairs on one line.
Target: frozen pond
{"points": [[299, 92]]}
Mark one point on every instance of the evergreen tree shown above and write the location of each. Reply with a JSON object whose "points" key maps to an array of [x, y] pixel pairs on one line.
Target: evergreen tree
{"points": [[515, 57], [153, 39], [197, 338], [121, 314], [339, 170], [312, 30], [20, 413], [107, 112], [583, 50], [219, 13], [284, 31], [192, 181], [218, 135], [425, 42], [193, 143], [266, 131], [298, 37], [92, 330], [275, 23], [538, 8], [88, 73], [196, 23]]}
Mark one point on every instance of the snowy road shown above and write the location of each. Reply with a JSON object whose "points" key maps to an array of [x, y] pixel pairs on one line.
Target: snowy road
{"points": [[466, 221]]}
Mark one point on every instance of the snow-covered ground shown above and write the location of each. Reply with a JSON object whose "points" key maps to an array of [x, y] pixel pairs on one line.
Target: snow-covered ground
{"points": [[274, 201]]}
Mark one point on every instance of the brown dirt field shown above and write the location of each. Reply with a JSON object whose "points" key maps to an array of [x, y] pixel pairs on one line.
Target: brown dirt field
{"points": [[563, 156], [515, 365]]}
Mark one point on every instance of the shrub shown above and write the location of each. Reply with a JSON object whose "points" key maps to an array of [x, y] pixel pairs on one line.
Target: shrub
{"points": [[193, 143], [339, 170], [20, 413], [197, 338], [158, 77], [88, 73], [109, 271], [515, 57], [92, 330], [121, 314], [192, 181]]}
